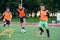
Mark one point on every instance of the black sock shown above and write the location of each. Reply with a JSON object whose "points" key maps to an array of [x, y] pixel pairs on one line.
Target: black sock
{"points": [[47, 30], [23, 28], [41, 31], [4, 25]]}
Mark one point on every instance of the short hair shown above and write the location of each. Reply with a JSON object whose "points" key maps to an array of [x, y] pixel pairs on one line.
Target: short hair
{"points": [[20, 4], [42, 4], [7, 8]]}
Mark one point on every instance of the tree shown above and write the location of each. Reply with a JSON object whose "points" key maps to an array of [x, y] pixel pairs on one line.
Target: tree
{"points": [[30, 5]]}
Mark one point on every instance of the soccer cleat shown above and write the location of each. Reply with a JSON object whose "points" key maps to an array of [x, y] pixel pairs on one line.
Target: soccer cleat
{"points": [[23, 30]]}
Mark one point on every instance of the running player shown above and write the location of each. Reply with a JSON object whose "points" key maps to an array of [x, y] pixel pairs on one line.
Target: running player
{"points": [[22, 15], [43, 19], [7, 17]]}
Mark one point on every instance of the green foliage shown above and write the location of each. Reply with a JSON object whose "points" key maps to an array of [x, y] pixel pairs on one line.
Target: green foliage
{"points": [[30, 5]]}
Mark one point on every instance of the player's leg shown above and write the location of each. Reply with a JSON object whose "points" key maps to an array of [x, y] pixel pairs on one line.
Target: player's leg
{"points": [[22, 20], [4, 22], [40, 27], [23, 27], [8, 25], [47, 30], [41, 30]]}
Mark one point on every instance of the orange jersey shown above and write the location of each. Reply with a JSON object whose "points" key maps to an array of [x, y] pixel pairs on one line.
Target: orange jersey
{"points": [[7, 16], [43, 15], [21, 12]]}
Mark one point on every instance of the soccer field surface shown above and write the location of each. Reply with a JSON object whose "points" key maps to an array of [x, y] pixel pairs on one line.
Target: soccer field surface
{"points": [[32, 33]]}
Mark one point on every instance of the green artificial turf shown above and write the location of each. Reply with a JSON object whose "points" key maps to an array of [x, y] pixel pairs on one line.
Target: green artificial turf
{"points": [[32, 33]]}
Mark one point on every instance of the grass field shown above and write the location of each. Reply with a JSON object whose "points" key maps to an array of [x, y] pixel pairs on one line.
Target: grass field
{"points": [[32, 19], [32, 33]]}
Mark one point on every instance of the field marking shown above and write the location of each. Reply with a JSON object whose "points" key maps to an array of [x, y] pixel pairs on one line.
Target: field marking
{"points": [[5, 33]]}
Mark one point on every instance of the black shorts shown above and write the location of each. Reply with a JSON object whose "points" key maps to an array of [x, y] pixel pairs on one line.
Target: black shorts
{"points": [[21, 19], [7, 22]]}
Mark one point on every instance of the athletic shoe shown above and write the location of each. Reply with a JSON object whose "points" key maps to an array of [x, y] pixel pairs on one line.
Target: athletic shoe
{"points": [[23, 30]]}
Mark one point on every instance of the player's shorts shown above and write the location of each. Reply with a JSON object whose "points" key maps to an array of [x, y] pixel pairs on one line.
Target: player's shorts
{"points": [[43, 24], [7, 21], [21, 20]]}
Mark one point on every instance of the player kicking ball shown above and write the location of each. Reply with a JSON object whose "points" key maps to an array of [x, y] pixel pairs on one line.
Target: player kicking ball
{"points": [[22, 15], [43, 19], [7, 18]]}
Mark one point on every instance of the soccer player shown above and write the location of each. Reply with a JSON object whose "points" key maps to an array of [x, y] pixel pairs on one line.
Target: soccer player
{"points": [[43, 19], [7, 18], [22, 15]]}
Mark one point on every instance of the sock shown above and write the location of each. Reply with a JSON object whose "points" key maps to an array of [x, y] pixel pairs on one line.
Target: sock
{"points": [[41, 31], [4, 25], [23, 28], [47, 30]]}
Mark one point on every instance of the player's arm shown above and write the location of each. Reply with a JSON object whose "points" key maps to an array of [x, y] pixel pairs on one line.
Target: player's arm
{"points": [[25, 15], [2, 15], [11, 15], [25, 12], [48, 14], [18, 12], [40, 13]]}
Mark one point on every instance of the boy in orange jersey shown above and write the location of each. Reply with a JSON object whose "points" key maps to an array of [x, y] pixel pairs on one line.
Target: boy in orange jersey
{"points": [[43, 19], [22, 15], [7, 17]]}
